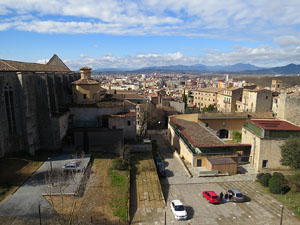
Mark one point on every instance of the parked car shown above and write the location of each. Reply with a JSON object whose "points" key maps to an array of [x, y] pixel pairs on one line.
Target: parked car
{"points": [[178, 210], [73, 166], [237, 196], [161, 170], [159, 161], [211, 197]]}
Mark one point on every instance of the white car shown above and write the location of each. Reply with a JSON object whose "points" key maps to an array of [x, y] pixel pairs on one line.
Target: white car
{"points": [[73, 166], [178, 210]]}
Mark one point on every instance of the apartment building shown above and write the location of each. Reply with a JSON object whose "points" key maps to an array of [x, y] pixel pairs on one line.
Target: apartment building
{"points": [[255, 100], [226, 99], [206, 96]]}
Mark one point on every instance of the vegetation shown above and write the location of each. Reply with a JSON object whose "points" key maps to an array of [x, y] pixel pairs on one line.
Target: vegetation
{"points": [[119, 200], [290, 153], [236, 136], [210, 108], [264, 180], [275, 185], [16, 169]]}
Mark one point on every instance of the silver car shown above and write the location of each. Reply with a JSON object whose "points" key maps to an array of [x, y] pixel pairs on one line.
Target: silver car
{"points": [[73, 166], [237, 196]]}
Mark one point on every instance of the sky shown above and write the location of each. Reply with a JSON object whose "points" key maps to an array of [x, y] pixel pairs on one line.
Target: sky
{"points": [[142, 33]]}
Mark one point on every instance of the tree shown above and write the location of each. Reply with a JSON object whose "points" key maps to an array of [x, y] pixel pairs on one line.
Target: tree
{"points": [[290, 153], [149, 118], [210, 108], [236, 135]]}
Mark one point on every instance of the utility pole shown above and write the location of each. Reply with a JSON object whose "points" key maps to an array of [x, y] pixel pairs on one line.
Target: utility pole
{"points": [[281, 216]]}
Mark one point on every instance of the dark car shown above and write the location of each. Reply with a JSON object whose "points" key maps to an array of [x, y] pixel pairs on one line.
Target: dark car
{"points": [[161, 171], [159, 161]]}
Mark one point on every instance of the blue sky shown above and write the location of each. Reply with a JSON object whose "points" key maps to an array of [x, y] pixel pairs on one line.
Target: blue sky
{"points": [[134, 34]]}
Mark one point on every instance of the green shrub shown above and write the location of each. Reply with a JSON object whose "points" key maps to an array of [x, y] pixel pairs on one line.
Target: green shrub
{"points": [[280, 176], [236, 136], [264, 180], [275, 185], [259, 175], [120, 164], [285, 188]]}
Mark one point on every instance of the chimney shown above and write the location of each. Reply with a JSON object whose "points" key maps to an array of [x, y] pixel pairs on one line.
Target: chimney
{"points": [[85, 72]]}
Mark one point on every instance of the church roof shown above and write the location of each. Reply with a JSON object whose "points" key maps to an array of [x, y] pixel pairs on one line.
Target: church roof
{"points": [[56, 61], [15, 66]]}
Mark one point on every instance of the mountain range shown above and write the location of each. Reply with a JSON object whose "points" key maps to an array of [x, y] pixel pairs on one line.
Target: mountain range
{"points": [[240, 68]]}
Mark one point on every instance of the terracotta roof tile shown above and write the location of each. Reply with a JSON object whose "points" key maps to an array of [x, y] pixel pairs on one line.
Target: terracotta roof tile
{"points": [[196, 133], [274, 125], [8, 65]]}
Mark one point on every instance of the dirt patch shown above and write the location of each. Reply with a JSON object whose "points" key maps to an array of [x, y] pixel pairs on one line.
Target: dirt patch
{"points": [[94, 206]]}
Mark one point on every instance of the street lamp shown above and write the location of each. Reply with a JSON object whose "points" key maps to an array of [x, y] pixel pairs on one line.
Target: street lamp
{"points": [[281, 216], [50, 161]]}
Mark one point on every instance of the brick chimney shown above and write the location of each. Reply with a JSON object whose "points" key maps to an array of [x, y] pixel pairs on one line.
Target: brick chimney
{"points": [[85, 72]]}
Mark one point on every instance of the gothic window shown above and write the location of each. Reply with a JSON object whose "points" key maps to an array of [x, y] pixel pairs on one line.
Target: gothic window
{"points": [[10, 110]]}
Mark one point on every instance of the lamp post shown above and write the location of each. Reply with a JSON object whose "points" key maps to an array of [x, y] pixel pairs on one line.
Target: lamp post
{"points": [[281, 216], [50, 161]]}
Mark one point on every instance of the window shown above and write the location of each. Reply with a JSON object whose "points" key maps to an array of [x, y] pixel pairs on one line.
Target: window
{"points": [[267, 97], [10, 110], [84, 96], [128, 123], [94, 96], [206, 124], [265, 164]]}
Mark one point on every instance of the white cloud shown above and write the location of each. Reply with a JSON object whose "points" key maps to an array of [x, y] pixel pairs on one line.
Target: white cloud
{"points": [[265, 56], [230, 18], [287, 40]]}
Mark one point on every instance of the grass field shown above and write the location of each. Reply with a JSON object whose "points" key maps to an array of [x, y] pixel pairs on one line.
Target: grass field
{"points": [[290, 200]]}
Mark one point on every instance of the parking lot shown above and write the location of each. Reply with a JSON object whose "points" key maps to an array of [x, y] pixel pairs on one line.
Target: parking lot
{"points": [[261, 209]]}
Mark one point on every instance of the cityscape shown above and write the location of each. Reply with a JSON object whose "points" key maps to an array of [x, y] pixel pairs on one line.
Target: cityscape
{"points": [[147, 112]]}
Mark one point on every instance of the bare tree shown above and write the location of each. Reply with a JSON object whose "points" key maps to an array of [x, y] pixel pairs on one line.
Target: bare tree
{"points": [[149, 117], [62, 193]]}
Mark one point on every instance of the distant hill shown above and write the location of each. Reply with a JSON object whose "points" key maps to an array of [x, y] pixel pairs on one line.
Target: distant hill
{"points": [[288, 69], [239, 68]]}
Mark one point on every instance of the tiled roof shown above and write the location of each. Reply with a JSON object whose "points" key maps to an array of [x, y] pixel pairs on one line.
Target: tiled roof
{"points": [[8, 65], [56, 61], [210, 90], [85, 81], [274, 125], [114, 103], [237, 115], [196, 134], [124, 114]]}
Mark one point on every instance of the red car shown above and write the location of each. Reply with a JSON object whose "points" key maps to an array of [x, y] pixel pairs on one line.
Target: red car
{"points": [[211, 196]]}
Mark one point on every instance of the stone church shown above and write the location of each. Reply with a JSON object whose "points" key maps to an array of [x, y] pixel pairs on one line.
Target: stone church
{"points": [[34, 101]]}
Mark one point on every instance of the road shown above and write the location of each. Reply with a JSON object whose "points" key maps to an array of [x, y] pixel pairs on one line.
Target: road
{"points": [[23, 206]]}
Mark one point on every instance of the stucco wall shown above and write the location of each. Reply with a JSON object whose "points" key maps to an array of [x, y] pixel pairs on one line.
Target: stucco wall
{"points": [[228, 124], [263, 149]]}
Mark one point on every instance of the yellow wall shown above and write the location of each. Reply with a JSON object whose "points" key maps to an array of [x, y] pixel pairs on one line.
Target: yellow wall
{"points": [[90, 90], [230, 124]]}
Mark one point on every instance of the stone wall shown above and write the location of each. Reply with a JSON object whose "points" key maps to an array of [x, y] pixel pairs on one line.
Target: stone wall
{"points": [[37, 98], [289, 108]]}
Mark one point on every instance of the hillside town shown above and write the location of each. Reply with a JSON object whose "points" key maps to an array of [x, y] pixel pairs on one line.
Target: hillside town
{"points": [[165, 129]]}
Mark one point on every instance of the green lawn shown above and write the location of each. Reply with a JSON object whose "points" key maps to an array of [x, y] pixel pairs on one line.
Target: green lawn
{"points": [[120, 196], [290, 200]]}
